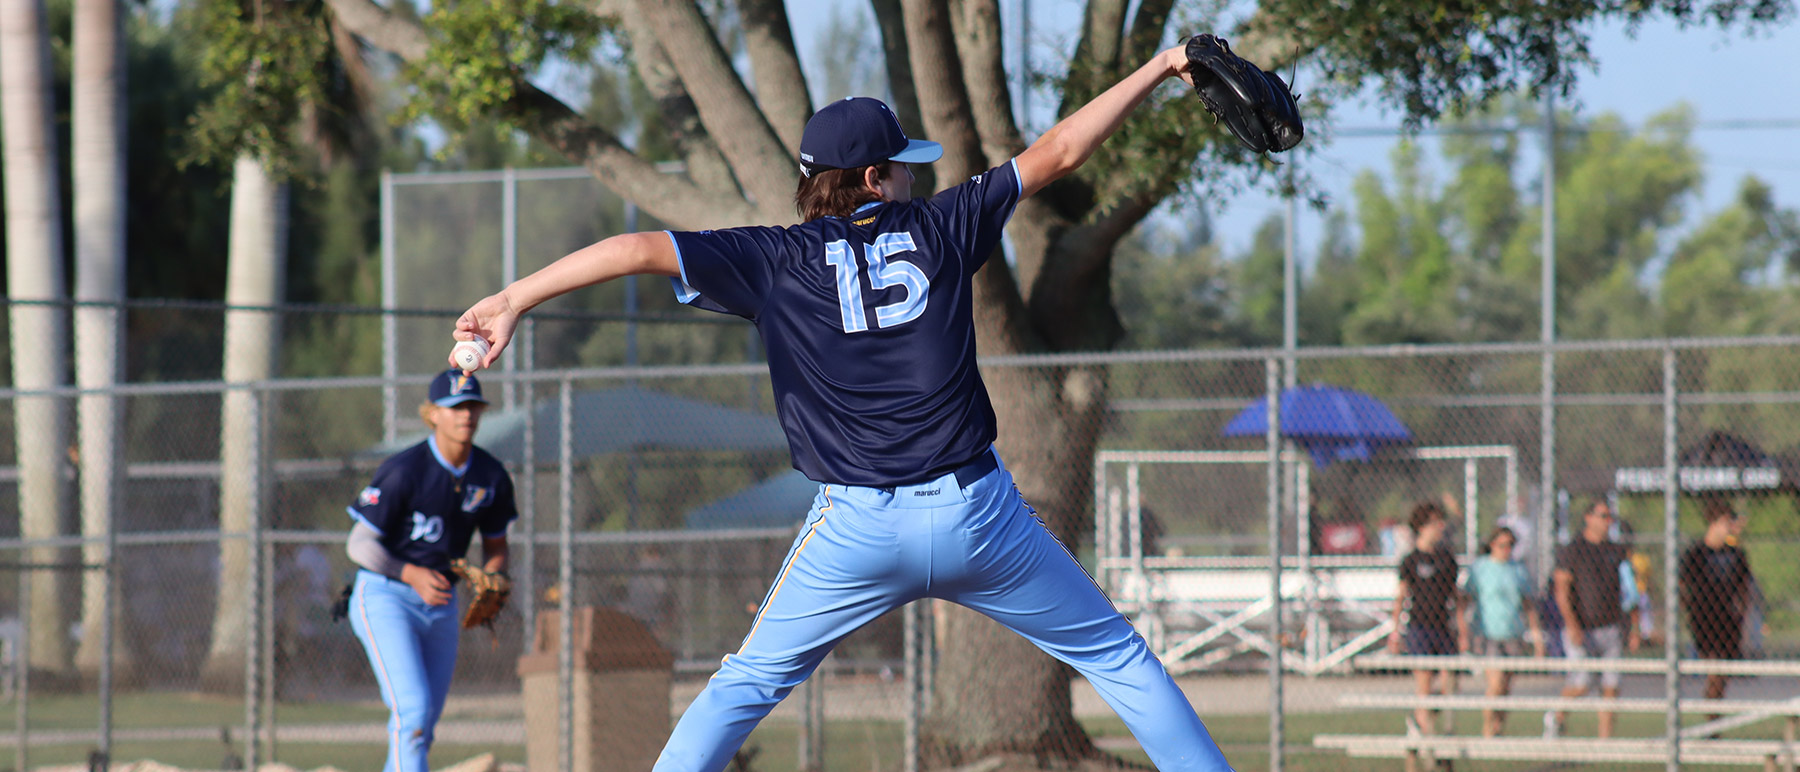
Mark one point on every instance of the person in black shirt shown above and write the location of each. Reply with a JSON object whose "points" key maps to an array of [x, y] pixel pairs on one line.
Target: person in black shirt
{"points": [[1714, 580], [1428, 581], [1595, 623]]}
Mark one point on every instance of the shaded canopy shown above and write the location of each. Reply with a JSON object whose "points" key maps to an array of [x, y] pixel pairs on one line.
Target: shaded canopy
{"points": [[1331, 422], [625, 418], [1719, 463], [777, 502]]}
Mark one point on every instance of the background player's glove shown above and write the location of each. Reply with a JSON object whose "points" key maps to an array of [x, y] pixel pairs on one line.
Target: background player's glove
{"points": [[488, 593], [1256, 106], [340, 608]]}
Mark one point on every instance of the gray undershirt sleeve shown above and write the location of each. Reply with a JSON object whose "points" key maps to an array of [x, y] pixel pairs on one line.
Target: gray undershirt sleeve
{"points": [[364, 548]]}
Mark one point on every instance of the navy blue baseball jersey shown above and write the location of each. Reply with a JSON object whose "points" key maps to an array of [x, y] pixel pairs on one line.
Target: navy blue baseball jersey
{"points": [[427, 511], [868, 322]]}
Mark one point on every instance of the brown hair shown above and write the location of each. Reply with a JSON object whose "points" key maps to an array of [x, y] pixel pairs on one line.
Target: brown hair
{"points": [[1487, 546], [1423, 514], [1716, 508], [836, 192], [1592, 505]]}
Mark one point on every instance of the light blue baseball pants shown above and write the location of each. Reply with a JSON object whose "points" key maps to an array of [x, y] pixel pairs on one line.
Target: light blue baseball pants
{"points": [[412, 649], [865, 551]]}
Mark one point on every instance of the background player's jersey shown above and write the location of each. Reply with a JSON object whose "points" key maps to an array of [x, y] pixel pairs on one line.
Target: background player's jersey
{"points": [[869, 327], [428, 511]]}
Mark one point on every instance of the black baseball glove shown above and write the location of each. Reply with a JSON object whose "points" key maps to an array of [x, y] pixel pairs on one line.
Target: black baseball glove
{"points": [[1256, 106]]}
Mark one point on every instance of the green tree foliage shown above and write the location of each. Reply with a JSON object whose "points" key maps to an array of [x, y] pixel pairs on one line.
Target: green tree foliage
{"points": [[1731, 275], [1174, 292], [1260, 291], [1404, 259], [1458, 260], [264, 62]]}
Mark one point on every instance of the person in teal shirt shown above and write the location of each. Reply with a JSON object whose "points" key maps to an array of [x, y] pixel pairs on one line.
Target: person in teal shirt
{"points": [[1503, 609]]}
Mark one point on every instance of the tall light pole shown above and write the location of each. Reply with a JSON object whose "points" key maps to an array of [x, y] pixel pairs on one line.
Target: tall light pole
{"points": [[1547, 335]]}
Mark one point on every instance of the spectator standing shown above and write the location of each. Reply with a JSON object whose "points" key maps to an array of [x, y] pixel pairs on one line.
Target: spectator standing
{"points": [[1714, 581], [1595, 623], [648, 595], [1503, 609], [1427, 595]]}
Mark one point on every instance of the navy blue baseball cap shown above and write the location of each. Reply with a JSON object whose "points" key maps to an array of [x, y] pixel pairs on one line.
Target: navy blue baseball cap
{"points": [[452, 387], [859, 131]]}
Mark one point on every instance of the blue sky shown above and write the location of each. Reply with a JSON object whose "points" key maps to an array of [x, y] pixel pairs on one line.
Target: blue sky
{"points": [[1724, 77]]}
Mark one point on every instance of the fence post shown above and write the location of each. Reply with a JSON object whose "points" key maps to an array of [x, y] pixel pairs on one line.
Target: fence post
{"points": [[527, 504], [1272, 436], [108, 605], [253, 598], [1547, 336], [509, 265], [21, 724], [912, 635], [565, 548], [266, 622], [1671, 531], [811, 740], [390, 325]]}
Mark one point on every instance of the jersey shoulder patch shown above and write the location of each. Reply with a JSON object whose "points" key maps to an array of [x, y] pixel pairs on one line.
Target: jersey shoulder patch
{"points": [[369, 497]]}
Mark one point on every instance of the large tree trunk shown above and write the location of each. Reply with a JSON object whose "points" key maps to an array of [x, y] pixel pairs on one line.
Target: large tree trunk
{"points": [[995, 692], [40, 333], [258, 267], [99, 158]]}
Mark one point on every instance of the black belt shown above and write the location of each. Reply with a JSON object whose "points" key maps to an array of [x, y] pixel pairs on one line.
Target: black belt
{"points": [[966, 475]]}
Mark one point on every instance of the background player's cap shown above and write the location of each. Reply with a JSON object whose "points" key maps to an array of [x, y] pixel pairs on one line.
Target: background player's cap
{"points": [[452, 388], [859, 131]]}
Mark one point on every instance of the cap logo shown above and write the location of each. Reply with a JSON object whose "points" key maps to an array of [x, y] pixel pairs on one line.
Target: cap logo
{"points": [[895, 118], [458, 384]]}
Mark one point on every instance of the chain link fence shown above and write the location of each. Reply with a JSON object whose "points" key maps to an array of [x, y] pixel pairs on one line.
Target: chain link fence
{"points": [[657, 506]]}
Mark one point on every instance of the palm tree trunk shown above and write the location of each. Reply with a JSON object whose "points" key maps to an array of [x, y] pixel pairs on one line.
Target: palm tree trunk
{"points": [[40, 333], [99, 159], [256, 274]]}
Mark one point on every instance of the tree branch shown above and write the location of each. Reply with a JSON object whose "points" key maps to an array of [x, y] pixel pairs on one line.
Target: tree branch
{"points": [[1096, 54], [706, 166], [943, 99], [399, 36], [978, 43], [1071, 296], [780, 84], [1146, 31], [889, 17], [757, 156], [669, 198], [1265, 40]]}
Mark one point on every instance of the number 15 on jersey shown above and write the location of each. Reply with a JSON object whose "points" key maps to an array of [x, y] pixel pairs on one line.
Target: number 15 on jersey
{"points": [[883, 273]]}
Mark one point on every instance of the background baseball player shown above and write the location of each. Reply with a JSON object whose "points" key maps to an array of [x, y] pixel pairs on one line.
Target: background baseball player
{"points": [[420, 513], [866, 312]]}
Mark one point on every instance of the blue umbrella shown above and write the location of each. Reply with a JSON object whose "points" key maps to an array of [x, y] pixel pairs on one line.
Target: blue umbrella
{"points": [[1330, 422]]}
